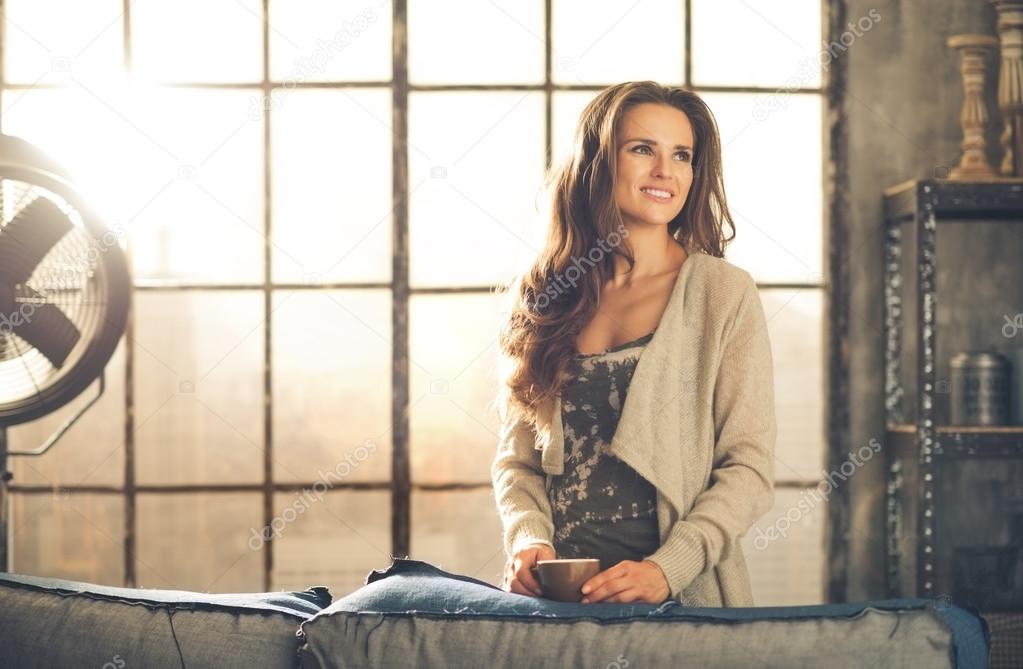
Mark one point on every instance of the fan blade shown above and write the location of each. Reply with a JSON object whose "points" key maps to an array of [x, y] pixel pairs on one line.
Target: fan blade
{"points": [[26, 240], [47, 329]]}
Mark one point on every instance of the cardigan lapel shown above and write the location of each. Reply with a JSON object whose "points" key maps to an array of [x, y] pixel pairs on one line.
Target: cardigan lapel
{"points": [[658, 385], [552, 460]]}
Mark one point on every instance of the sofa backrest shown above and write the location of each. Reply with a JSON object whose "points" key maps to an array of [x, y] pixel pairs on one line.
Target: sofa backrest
{"points": [[55, 623], [414, 614]]}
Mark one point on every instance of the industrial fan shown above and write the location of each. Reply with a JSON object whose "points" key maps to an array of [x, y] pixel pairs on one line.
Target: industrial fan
{"points": [[64, 297]]}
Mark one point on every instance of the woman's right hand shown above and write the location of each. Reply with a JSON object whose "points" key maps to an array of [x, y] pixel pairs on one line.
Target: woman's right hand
{"points": [[517, 575]]}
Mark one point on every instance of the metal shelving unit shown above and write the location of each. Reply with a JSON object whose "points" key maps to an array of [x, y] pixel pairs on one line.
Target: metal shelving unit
{"points": [[935, 471]]}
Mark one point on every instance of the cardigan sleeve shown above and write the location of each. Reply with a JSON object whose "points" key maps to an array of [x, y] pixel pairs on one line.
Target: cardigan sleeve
{"points": [[519, 489], [741, 487]]}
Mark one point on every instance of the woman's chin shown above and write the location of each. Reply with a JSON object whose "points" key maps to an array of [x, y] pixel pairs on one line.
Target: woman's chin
{"points": [[648, 221]]}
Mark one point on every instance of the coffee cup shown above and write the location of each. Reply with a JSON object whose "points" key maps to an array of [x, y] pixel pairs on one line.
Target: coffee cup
{"points": [[562, 579]]}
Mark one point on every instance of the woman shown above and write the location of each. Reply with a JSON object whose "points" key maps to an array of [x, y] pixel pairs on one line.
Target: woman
{"points": [[637, 403]]}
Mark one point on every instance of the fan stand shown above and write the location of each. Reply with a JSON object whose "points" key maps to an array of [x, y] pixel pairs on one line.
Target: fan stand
{"points": [[6, 476]]}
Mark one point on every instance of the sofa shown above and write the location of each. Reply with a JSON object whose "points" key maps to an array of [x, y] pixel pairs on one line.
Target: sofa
{"points": [[414, 614]]}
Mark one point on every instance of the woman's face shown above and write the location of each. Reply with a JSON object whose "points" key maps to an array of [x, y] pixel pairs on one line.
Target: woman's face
{"points": [[655, 163]]}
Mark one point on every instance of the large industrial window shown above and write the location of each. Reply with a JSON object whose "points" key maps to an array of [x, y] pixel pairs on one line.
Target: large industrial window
{"points": [[318, 199]]}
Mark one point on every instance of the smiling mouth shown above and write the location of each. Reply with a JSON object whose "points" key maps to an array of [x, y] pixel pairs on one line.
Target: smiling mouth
{"points": [[657, 194]]}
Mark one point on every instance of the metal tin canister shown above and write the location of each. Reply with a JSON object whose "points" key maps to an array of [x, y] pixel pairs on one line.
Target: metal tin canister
{"points": [[979, 389]]}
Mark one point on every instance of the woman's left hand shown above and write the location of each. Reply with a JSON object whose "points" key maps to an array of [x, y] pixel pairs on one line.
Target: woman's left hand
{"points": [[627, 581]]}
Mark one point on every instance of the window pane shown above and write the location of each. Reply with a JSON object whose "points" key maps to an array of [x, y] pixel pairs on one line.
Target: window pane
{"points": [[460, 532], [610, 42], [773, 181], [332, 186], [326, 40], [477, 47], [785, 550], [332, 385], [79, 537], [476, 181], [199, 542], [453, 358], [198, 40], [91, 453], [333, 540], [795, 326], [86, 43], [199, 394], [207, 222], [785, 38], [566, 108]]}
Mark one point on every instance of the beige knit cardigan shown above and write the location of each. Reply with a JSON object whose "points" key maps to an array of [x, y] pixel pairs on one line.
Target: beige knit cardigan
{"points": [[698, 423]]}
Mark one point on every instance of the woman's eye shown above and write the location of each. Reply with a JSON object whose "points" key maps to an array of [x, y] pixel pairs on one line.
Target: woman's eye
{"points": [[644, 149]]}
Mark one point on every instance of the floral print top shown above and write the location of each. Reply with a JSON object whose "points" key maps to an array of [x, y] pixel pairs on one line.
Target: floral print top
{"points": [[602, 508]]}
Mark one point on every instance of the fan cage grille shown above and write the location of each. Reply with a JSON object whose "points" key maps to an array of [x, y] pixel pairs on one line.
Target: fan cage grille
{"points": [[71, 276]]}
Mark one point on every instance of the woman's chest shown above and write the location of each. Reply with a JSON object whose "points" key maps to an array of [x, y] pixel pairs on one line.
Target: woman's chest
{"points": [[625, 314]]}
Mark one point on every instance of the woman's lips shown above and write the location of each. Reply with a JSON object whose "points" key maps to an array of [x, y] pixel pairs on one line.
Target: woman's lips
{"points": [[663, 196]]}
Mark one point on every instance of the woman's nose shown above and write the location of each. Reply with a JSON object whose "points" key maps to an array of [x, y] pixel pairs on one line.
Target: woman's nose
{"points": [[662, 167]]}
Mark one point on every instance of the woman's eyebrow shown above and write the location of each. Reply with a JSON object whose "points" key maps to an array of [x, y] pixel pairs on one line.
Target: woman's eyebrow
{"points": [[650, 141]]}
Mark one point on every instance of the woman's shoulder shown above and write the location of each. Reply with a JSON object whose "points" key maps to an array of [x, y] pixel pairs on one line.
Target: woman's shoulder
{"points": [[721, 278], [720, 295]]}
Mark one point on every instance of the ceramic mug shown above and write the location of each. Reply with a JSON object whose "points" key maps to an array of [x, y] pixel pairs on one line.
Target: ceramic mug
{"points": [[562, 579]]}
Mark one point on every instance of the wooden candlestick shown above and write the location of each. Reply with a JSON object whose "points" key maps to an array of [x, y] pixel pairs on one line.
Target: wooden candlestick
{"points": [[1010, 83], [973, 52]]}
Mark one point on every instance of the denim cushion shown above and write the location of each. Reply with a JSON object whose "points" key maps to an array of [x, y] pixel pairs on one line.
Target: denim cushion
{"points": [[415, 614], [55, 623]]}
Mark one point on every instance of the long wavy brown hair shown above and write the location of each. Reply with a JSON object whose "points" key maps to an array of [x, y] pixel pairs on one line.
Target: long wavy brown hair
{"points": [[549, 304]]}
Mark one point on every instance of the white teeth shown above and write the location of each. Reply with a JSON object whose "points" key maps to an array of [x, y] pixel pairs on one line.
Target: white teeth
{"points": [[656, 193]]}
